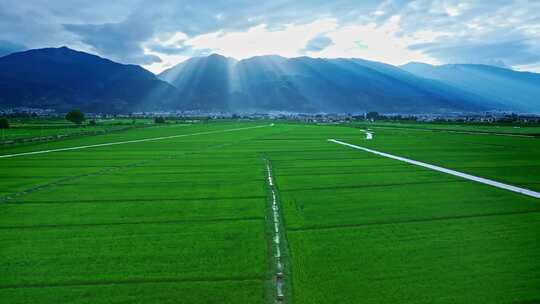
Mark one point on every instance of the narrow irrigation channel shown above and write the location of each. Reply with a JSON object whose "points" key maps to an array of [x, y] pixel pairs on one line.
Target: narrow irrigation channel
{"points": [[277, 239]]}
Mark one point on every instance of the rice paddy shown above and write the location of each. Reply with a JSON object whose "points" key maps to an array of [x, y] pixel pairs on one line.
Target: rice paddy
{"points": [[187, 218]]}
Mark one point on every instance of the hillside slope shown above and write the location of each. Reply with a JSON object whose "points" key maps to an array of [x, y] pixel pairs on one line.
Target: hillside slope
{"points": [[303, 84], [519, 91], [62, 78]]}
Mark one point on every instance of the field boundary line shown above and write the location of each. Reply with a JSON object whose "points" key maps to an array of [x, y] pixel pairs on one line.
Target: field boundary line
{"points": [[133, 281], [139, 200], [164, 222], [130, 141], [478, 179], [165, 183], [460, 131], [373, 185], [411, 221]]}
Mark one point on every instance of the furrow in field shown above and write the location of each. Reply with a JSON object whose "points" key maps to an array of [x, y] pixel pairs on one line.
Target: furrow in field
{"points": [[461, 131], [347, 173], [134, 223], [134, 281], [373, 185], [138, 200], [157, 184], [412, 221]]}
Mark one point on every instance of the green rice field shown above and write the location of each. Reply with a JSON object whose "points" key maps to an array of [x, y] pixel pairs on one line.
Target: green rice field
{"points": [[185, 217], [40, 129]]}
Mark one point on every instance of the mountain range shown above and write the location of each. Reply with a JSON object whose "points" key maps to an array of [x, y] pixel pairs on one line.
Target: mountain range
{"points": [[515, 90], [62, 78]]}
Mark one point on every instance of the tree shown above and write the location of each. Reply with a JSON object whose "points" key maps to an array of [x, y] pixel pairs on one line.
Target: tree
{"points": [[4, 123], [159, 120], [75, 116]]}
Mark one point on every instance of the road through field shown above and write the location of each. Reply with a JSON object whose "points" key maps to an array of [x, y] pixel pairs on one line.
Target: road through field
{"points": [[130, 141], [445, 170]]}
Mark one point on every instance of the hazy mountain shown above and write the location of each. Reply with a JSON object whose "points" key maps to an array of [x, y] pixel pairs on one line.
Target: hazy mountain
{"points": [[202, 82], [516, 90], [61, 78], [306, 84]]}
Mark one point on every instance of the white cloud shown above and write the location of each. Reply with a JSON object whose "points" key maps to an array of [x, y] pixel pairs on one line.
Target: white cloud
{"points": [[124, 30], [528, 68], [172, 39], [260, 40], [395, 32], [383, 42], [167, 61]]}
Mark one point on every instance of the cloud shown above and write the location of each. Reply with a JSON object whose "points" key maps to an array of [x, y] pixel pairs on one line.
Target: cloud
{"points": [[119, 41], [506, 49], [37, 23], [262, 40], [174, 44], [97, 25], [147, 31], [379, 42], [317, 44]]}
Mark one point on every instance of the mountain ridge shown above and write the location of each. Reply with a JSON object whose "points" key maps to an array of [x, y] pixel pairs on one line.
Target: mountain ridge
{"points": [[519, 90], [62, 78], [320, 84]]}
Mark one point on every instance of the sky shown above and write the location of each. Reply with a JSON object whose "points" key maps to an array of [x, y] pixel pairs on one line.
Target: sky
{"points": [[160, 34]]}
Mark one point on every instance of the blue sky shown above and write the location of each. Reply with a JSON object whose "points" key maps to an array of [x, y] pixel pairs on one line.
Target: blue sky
{"points": [[158, 34]]}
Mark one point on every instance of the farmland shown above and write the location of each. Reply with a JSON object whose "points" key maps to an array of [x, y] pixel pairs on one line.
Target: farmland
{"points": [[24, 130], [186, 218]]}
